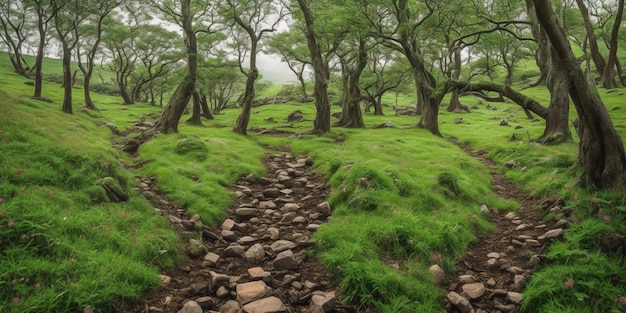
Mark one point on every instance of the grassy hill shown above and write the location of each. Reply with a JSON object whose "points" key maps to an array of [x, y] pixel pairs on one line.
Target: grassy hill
{"points": [[65, 245]]}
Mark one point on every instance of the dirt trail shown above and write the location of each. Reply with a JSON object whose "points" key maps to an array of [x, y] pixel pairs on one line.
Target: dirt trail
{"points": [[492, 276], [257, 260]]}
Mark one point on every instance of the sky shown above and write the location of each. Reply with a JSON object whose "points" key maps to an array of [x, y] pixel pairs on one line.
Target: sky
{"points": [[274, 70]]}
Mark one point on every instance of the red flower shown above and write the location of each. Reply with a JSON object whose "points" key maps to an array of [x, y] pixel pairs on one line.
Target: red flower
{"points": [[10, 224], [16, 300], [436, 257], [622, 300], [569, 283]]}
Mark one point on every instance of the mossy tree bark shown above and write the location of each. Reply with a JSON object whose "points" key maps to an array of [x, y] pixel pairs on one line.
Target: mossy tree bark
{"points": [[601, 153], [196, 110], [321, 124], [596, 56], [184, 91], [241, 125], [455, 103], [351, 116], [608, 77]]}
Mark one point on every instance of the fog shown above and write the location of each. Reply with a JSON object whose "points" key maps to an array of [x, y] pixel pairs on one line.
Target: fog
{"points": [[274, 70]]}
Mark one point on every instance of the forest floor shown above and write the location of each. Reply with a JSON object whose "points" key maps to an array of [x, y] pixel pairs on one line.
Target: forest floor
{"points": [[278, 213]]}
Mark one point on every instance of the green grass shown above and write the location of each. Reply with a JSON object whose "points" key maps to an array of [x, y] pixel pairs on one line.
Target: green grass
{"points": [[402, 199]]}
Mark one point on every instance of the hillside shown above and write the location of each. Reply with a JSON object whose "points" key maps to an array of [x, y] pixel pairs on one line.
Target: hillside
{"points": [[397, 193]]}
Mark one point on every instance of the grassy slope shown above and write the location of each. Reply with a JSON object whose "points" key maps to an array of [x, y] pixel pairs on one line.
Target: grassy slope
{"points": [[425, 201]]}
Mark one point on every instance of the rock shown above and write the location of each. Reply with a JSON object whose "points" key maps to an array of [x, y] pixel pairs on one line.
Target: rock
{"points": [[534, 260], [234, 250], [196, 248], [274, 233], [515, 270], [269, 204], [467, 279], [533, 243], [484, 210], [222, 292], [312, 227], [285, 260], [231, 306], [229, 235], [246, 213], [514, 297], [521, 227], [191, 307], [491, 282], [218, 280], [493, 262], [288, 218], [270, 193], [258, 272], [266, 305], [251, 291], [255, 253], [474, 290], [459, 302], [206, 302], [518, 282], [439, 275], [164, 280], [282, 245], [322, 300], [245, 240], [510, 216], [494, 255], [324, 208], [211, 258], [554, 233], [299, 220], [290, 207]]}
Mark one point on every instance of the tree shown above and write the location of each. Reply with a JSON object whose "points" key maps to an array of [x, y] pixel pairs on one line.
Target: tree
{"points": [[184, 16], [608, 77], [45, 12], [596, 56], [353, 62], [69, 15], [13, 17], [290, 46], [320, 71], [385, 72], [89, 46], [220, 84], [601, 150], [253, 19]]}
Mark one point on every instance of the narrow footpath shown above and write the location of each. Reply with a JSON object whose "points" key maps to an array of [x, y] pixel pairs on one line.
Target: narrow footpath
{"points": [[258, 259], [492, 276]]}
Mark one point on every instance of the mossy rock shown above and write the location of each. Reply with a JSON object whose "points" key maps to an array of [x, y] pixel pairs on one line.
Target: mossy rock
{"points": [[113, 189], [193, 147]]}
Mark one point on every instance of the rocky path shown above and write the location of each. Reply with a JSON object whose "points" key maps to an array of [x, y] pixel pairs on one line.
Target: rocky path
{"points": [[492, 276], [257, 260]]}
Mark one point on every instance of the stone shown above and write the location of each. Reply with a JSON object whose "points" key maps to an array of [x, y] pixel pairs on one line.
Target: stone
{"points": [[246, 213], [493, 262], [439, 275], [521, 227], [229, 235], [510, 216], [518, 282], [228, 224], [274, 233], [322, 300], [265, 305], [288, 218], [467, 279], [164, 280], [514, 297], [299, 220], [222, 292], [271, 193], [245, 240], [218, 280], [269, 204], [534, 260], [255, 253], [290, 207], [517, 243], [312, 227], [206, 302], [493, 255], [474, 290], [324, 208], [234, 250], [533, 243], [191, 307], [554, 233], [251, 291], [282, 245], [285, 260], [231, 306], [561, 223], [257, 273], [197, 248], [211, 258], [515, 270], [459, 302], [484, 210], [491, 282]]}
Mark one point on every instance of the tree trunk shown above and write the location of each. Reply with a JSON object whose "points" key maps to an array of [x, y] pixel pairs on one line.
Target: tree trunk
{"points": [[351, 116], [196, 111], [601, 150], [176, 106], [67, 79], [596, 56], [241, 126], [86, 85], [39, 58], [430, 113], [455, 103], [206, 112], [320, 90], [608, 77], [519, 98], [378, 106]]}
